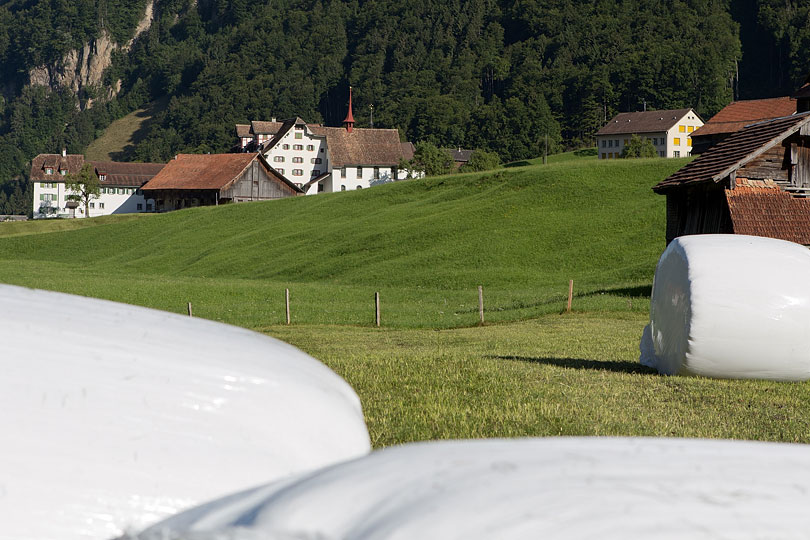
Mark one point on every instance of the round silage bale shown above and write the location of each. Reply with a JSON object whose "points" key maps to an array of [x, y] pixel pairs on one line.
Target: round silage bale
{"points": [[116, 416], [730, 306]]}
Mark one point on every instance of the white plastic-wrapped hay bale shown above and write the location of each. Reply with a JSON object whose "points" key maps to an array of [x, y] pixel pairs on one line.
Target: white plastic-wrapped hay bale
{"points": [[115, 416], [561, 488], [730, 306]]}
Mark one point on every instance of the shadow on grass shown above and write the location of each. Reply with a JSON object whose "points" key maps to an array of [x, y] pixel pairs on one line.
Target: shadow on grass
{"points": [[522, 163], [579, 363], [641, 292]]}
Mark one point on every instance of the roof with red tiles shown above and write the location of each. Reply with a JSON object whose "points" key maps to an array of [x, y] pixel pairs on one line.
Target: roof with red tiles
{"points": [[735, 116], [70, 164], [115, 173], [738, 149], [643, 122], [766, 210], [207, 171], [265, 128], [362, 147], [126, 174], [408, 150]]}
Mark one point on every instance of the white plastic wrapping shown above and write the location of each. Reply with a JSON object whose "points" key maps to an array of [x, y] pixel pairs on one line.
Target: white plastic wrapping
{"points": [[115, 416], [561, 488], [730, 306]]}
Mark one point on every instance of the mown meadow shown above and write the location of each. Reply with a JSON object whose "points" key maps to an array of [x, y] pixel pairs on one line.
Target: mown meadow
{"points": [[431, 371]]}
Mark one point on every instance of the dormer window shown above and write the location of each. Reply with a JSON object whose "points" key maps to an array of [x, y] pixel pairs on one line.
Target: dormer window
{"points": [[48, 170], [102, 177], [63, 172]]}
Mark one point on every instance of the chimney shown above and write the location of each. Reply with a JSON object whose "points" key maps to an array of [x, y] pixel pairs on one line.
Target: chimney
{"points": [[64, 152], [273, 119], [348, 123]]}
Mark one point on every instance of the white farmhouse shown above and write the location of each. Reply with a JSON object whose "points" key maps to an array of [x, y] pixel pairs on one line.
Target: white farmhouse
{"points": [[120, 186], [326, 159], [669, 131]]}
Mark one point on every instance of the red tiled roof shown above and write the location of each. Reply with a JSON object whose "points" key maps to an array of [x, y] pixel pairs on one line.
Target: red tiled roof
{"points": [[201, 171], [363, 146], [265, 128], [768, 211], [643, 122], [116, 173], [739, 148], [735, 116], [71, 163], [408, 150], [126, 174]]}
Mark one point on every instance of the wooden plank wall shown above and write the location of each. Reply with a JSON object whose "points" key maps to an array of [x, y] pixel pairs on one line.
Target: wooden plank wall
{"points": [[701, 209], [771, 165], [255, 184]]}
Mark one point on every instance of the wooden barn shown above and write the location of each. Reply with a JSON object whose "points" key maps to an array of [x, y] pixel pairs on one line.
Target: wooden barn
{"points": [[210, 179], [754, 182]]}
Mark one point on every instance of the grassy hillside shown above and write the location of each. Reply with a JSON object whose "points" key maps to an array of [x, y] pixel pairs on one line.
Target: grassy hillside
{"points": [[119, 140], [426, 245]]}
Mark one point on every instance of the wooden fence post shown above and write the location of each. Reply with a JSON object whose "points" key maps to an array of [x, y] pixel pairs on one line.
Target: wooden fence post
{"points": [[481, 303], [287, 303], [570, 295], [189, 309], [377, 307]]}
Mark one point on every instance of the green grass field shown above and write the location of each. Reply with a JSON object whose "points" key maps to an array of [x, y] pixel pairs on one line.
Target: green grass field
{"points": [[425, 245]]}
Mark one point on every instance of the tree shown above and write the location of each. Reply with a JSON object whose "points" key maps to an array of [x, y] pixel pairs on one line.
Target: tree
{"points": [[639, 148], [84, 185], [431, 159], [481, 160]]}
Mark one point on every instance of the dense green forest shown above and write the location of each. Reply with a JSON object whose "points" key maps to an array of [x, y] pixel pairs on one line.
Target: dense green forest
{"points": [[500, 75]]}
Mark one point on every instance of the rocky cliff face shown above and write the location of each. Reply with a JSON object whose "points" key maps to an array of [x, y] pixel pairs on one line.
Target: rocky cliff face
{"points": [[79, 69]]}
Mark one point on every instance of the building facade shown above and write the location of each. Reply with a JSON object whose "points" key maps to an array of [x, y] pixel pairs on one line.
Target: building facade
{"points": [[320, 159], [120, 186], [670, 132], [191, 180]]}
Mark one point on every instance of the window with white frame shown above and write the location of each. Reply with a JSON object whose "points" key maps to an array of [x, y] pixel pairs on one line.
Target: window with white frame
{"points": [[279, 159], [359, 172], [315, 160], [298, 172], [298, 159], [298, 147], [343, 172], [310, 147]]}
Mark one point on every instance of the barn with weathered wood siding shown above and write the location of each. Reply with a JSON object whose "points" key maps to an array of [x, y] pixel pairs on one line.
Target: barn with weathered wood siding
{"points": [[211, 179], [757, 181]]}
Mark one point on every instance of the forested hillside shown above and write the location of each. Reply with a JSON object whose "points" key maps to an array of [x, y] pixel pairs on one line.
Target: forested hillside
{"points": [[494, 74]]}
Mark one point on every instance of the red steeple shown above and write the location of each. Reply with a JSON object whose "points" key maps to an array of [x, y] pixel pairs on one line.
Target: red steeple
{"points": [[349, 121]]}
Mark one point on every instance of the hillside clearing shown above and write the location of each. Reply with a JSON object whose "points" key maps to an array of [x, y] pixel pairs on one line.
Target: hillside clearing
{"points": [[120, 138]]}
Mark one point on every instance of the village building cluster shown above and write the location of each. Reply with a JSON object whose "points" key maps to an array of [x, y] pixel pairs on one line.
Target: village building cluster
{"points": [[751, 174], [272, 160]]}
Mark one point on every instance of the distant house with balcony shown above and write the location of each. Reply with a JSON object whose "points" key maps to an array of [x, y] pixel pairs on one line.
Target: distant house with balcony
{"points": [[670, 132], [120, 186]]}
